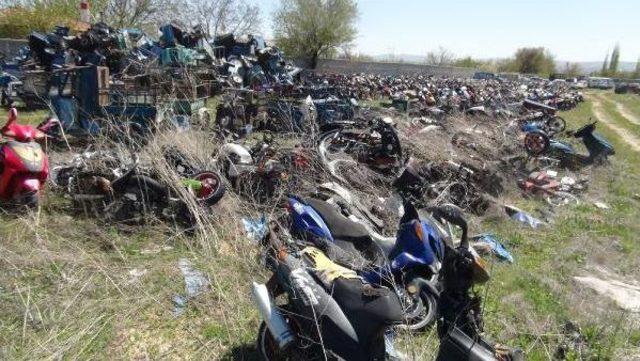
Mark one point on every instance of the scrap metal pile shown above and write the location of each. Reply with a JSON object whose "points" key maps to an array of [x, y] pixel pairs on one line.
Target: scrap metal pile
{"points": [[361, 185]]}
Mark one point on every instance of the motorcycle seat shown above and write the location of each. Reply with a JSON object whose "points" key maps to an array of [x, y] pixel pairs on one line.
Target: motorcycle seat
{"points": [[350, 236], [340, 226], [365, 305]]}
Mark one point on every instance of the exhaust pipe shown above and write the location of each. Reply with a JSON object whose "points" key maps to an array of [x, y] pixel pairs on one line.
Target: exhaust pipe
{"points": [[276, 323]]}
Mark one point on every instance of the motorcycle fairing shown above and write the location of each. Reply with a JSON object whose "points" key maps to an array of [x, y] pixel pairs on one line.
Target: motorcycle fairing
{"points": [[306, 219], [30, 154], [561, 147], [311, 299], [600, 142], [418, 243]]}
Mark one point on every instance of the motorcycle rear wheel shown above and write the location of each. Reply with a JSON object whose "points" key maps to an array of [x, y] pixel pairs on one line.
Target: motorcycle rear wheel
{"points": [[268, 349]]}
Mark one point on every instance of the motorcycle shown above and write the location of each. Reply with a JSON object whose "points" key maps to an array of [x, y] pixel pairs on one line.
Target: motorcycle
{"points": [[24, 166], [460, 323], [412, 259], [328, 313], [599, 149], [543, 118], [129, 193], [206, 186], [377, 146], [258, 172]]}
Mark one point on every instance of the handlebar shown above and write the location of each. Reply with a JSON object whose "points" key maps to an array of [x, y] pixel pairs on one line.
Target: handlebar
{"points": [[455, 216]]}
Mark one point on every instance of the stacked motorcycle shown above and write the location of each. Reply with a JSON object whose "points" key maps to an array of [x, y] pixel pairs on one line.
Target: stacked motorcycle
{"points": [[343, 289]]}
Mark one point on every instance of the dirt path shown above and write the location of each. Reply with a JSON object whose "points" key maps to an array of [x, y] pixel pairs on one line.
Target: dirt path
{"points": [[624, 134], [626, 113]]}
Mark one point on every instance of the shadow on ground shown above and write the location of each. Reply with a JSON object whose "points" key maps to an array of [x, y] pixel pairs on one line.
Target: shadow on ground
{"points": [[247, 352]]}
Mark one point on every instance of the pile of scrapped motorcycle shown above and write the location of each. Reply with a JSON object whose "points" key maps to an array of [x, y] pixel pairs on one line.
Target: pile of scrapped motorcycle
{"points": [[367, 233]]}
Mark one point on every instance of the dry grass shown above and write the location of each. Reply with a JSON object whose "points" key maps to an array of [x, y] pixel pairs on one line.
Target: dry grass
{"points": [[73, 287]]}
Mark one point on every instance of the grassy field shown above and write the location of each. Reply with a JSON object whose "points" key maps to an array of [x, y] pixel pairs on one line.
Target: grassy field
{"points": [[73, 288]]}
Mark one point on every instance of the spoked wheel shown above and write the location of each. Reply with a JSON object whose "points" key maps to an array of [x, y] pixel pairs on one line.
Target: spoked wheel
{"points": [[211, 188], [562, 198], [420, 311], [536, 143], [556, 124]]}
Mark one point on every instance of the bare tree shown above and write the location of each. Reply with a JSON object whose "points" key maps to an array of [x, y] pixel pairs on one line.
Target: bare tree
{"points": [[222, 16], [440, 57], [134, 13]]}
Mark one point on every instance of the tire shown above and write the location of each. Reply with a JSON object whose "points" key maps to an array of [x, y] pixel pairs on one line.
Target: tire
{"points": [[268, 350], [217, 187], [424, 312], [31, 200], [536, 143], [562, 198], [265, 344]]}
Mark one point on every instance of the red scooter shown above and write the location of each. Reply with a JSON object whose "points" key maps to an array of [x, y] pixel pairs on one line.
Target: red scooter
{"points": [[24, 166]]}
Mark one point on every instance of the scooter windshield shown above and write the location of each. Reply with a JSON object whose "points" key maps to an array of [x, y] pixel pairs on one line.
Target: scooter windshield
{"points": [[30, 154]]}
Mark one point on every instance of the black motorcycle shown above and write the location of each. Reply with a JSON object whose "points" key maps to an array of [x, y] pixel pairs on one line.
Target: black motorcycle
{"points": [[460, 323], [329, 313]]}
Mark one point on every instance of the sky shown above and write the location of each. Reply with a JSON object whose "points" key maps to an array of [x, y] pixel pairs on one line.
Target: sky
{"points": [[573, 30]]}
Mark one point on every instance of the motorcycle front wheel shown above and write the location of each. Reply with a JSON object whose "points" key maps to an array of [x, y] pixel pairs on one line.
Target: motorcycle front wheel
{"points": [[419, 312]]}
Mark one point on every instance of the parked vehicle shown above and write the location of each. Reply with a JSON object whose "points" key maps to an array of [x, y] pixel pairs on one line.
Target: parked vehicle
{"points": [[326, 312], [538, 143], [206, 185], [600, 83], [255, 173], [24, 166], [544, 118], [376, 144]]}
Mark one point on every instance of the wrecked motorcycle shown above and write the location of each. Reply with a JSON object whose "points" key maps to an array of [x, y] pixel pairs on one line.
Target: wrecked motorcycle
{"points": [[24, 167], [411, 259], [259, 172], [329, 312], [128, 193], [376, 145], [539, 143], [460, 323]]}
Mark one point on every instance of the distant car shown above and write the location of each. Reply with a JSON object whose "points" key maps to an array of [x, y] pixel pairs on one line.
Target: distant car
{"points": [[621, 88], [579, 84], [484, 75], [600, 83]]}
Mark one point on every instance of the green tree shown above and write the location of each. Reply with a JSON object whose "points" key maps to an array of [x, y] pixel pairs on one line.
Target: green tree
{"points": [[605, 66], [531, 61], [636, 73], [309, 29], [572, 70], [20, 17], [615, 60], [468, 62]]}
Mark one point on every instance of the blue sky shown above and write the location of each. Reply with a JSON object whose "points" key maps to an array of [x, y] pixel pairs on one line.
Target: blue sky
{"points": [[574, 30]]}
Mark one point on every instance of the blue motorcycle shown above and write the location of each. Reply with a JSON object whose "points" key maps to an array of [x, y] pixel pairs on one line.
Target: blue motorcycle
{"points": [[539, 143], [412, 260]]}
